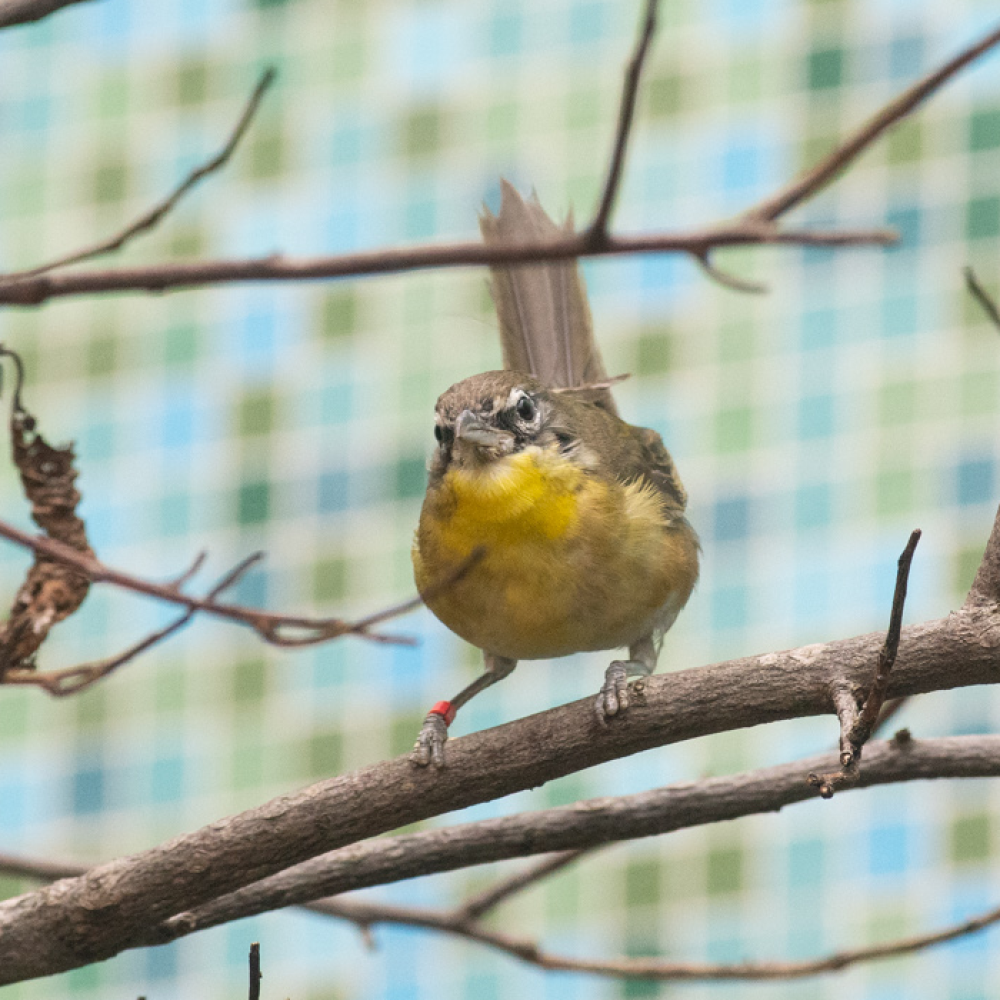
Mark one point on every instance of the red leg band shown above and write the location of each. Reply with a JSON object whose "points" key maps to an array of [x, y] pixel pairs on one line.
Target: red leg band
{"points": [[446, 710]]}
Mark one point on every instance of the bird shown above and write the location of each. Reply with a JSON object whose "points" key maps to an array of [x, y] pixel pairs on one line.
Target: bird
{"points": [[550, 526]]}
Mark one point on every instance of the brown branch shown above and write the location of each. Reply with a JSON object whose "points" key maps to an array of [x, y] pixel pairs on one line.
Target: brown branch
{"points": [[591, 823], [982, 296], [868, 716], [817, 177], [151, 218], [597, 232], [42, 869], [72, 680], [268, 625], [482, 903], [255, 973], [754, 228], [195, 274], [14, 12], [985, 590], [368, 914], [857, 726], [110, 909], [584, 825], [726, 279]]}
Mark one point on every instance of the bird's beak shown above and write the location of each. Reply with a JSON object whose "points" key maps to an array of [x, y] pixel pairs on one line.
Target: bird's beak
{"points": [[470, 428]]}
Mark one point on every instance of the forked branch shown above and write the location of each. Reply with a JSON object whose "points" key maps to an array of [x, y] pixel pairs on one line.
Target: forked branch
{"points": [[757, 225]]}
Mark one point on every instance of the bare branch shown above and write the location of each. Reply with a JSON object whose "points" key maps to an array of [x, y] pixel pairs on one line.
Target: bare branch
{"points": [[151, 218], [71, 680], [889, 711], [985, 590], [598, 230], [15, 866], [479, 905], [856, 727], [728, 280], [195, 274], [597, 821], [817, 177], [584, 825], [14, 12], [368, 914], [111, 908], [868, 716], [269, 625], [255, 974], [982, 296]]}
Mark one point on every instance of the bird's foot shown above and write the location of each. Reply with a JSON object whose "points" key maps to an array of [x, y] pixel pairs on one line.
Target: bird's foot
{"points": [[429, 748], [613, 696]]}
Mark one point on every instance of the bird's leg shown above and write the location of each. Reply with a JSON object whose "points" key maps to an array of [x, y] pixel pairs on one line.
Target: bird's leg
{"points": [[613, 696], [429, 748]]}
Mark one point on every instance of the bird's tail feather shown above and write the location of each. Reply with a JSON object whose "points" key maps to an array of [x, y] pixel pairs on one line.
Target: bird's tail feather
{"points": [[545, 324]]}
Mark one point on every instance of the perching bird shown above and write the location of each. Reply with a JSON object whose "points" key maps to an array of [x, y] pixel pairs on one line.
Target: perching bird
{"points": [[579, 515]]}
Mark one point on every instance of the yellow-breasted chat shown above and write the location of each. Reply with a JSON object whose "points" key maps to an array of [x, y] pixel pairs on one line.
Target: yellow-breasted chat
{"points": [[579, 515]]}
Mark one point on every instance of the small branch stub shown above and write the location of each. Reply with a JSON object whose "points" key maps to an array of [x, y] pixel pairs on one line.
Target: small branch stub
{"points": [[255, 974]]}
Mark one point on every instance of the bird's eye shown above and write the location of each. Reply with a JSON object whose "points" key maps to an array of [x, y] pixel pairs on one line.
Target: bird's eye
{"points": [[438, 433], [525, 408]]}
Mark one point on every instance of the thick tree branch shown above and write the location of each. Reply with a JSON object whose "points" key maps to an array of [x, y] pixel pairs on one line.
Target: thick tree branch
{"points": [[588, 824], [83, 920], [584, 825], [13, 12]]}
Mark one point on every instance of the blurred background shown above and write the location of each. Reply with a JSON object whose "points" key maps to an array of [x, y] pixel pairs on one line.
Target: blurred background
{"points": [[814, 427]]}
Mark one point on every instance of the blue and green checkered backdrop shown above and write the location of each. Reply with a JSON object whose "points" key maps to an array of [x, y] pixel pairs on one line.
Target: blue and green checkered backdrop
{"points": [[814, 427]]}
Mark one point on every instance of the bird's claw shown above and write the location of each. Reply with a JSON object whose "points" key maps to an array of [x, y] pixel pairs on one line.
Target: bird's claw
{"points": [[613, 696], [429, 748]]}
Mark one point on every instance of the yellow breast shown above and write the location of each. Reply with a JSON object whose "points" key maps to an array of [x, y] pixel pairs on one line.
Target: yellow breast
{"points": [[573, 561]]}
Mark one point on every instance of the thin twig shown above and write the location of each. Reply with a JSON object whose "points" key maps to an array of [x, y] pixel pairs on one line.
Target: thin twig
{"points": [[277, 267], [482, 903], [150, 219], [868, 716], [857, 726], [71, 680], [982, 296], [817, 177], [597, 232], [366, 915], [889, 711], [267, 624], [14, 12], [726, 279]]}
